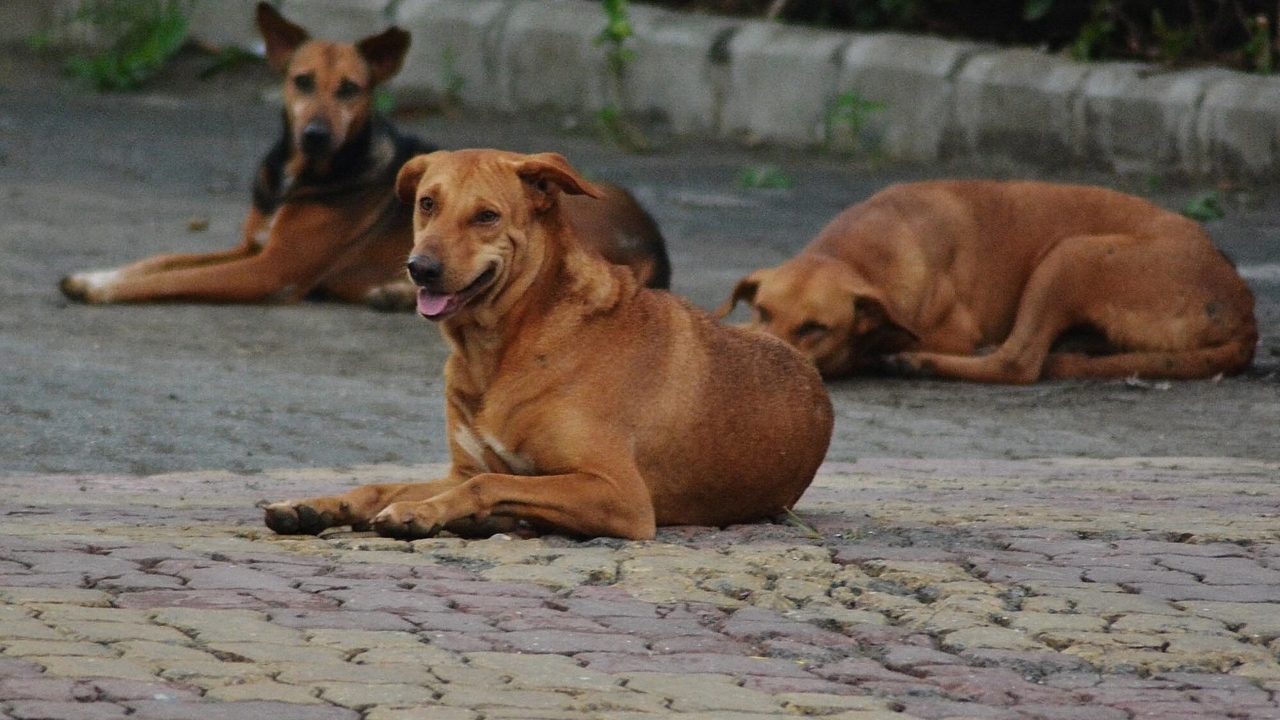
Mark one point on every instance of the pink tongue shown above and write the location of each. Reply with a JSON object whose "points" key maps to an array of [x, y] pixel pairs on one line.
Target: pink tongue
{"points": [[432, 305]]}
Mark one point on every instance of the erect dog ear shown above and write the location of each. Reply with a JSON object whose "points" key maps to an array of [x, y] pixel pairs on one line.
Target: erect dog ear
{"points": [[744, 290], [875, 328], [282, 37], [410, 174], [546, 174], [385, 54]]}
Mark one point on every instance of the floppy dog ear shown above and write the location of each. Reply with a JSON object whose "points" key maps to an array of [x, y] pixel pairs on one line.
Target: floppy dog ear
{"points": [[744, 290], [385, 53], [546, 174], [876, 330], [282, 37], [410, 174]]}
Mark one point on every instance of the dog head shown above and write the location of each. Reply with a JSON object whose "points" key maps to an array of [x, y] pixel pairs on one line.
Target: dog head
{"points": [[328, 87], [475, 222], [818, 305]]}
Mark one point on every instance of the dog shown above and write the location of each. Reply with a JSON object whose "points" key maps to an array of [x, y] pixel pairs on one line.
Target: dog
{"points": [[1008, 282], [577, 401], [324, 222]]}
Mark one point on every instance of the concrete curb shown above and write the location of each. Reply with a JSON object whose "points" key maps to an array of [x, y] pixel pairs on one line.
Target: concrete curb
{"points": [[768, 83]]}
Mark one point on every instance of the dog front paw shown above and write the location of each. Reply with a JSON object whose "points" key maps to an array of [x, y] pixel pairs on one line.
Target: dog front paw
{"points": [[908, 365], [393, 297], [89, 287], [408, 521], [297, 518]]}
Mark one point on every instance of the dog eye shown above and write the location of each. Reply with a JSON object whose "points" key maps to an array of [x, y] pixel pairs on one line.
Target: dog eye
{"points": [[486, 217], [811, 328], [426, 204], [305, 83], [347, 90], [763, 315]]}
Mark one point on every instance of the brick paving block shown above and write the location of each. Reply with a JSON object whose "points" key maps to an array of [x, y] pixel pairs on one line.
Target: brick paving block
{"points": [[930, 708], [264, 690], [566, 642], [857, 670], [1122, 575], [1034, 711], [545, 618], [389, 600], [139, 581], [96, 667], [554, 672], [481, 698], [62, 710], [702, 644], [902, 657], [45, 688], [424, 712], [825, 704], [311, 673], [28, 629], [1160, 548], [778, 685], [1210, 593], [50, 648], [1036, 663], [14, 668], [494, 605], [448, 588], [107, 632], [117, 689], [34, 580], [340, 619], [156, 710], [614, 663], [1223, 570], [361, 695], [451, 621], [362, 639], [696, 692], [159, 653], [463, 641], [654, 627], [69, 595]]}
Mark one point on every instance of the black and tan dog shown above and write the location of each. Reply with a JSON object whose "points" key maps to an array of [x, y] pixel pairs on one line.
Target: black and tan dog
{"points": [[576, 400], [325, 221], [1053, 281]]}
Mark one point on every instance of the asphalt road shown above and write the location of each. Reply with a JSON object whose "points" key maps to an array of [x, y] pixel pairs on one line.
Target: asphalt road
{"points": [[95, 181]]}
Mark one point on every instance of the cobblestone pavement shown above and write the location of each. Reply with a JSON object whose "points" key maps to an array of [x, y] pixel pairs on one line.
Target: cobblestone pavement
{"points": [[1047, 589]]}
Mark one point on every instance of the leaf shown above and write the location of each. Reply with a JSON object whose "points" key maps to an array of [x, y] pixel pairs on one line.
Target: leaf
{"points": [[1036, 10]]}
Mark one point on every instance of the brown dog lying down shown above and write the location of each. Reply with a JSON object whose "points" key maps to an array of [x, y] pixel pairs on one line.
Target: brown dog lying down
{"points": [[325, 221], [576, 400], [1063, 281]]}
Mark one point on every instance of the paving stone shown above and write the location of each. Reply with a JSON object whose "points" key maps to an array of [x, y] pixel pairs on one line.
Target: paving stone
{"points": [[266, 691], [156, 710], [424, 712], [38, 596], [346, 620], [553, 672], [55, 710], [571, 643], [95, 667], [110, 632], [696, 692], [381, 674], [77, 648], [361, 695], [482, 698], [614, 663]]}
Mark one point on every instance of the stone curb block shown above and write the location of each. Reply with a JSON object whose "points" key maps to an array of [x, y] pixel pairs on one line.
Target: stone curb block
{"points": [[761, 82]]}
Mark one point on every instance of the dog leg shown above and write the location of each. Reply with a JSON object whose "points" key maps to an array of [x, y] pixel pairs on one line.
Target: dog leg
{"points": [[1231, 358], [576, 503], [357, 508]]}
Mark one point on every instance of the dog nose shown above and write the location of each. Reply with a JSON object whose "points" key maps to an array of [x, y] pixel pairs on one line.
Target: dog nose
{"points": [[315, 138], [424, 270]]}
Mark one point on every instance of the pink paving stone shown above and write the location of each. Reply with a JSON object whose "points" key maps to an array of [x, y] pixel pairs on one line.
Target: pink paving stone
{"points": [[858, 670], [158, 710], [990, 686], [937, 708], [388, 599], [53, 580], [783, 628], [546, 619], [563, 642], [1030, 661], [492, 605], [65, 710], [802, 652], [613, 663], [602, 608], [233, 577], [1156, 547], [136, 581], [657, 628], [701, 644], [1213, 593], [1071, 712], [1223, 571], [221, 600], [904, 657], [441, 572], [373, 572], [1127, 575], [44, 688], [857, 554], [481, 588], [15, 668], [451, 621], [340, 620]]}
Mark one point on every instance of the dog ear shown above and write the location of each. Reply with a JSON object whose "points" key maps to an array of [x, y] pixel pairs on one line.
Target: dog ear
{"points": [[385, 54], [410, 174], [876, 330], [744, 290], [282, 37], [546, 174]]}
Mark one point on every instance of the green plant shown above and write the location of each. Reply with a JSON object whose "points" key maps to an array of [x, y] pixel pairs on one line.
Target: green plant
{"points": [[1094, 34], [137, 37], [853, 112], [1259, 51], [613, 38], [769, 177], [1205, 207]]}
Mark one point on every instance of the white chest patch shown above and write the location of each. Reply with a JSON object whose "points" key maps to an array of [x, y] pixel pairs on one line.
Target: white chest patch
{"points": [[479, 448]]}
